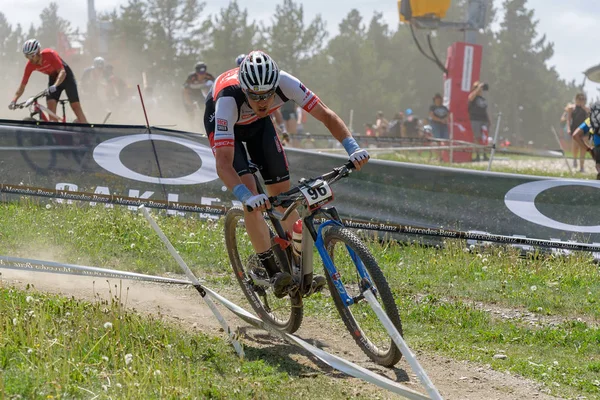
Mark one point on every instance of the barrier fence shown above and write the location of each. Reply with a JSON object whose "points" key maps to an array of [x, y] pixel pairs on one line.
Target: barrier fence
{"points": [[378, 226]]}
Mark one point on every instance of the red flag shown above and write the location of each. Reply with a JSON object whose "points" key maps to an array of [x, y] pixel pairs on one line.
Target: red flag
{"points": [[64, 46]]}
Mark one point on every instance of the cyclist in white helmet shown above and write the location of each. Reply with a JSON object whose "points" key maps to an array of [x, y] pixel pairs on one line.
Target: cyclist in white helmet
{"points": [[239, 59], [60, 78], [237, 111]]}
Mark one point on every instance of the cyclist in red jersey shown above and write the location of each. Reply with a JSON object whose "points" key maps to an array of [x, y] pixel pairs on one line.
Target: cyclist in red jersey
{"points": [[237, 112], [60, 77]]}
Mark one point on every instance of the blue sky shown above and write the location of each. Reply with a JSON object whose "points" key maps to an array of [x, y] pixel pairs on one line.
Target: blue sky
{"points": [[570, 24]]}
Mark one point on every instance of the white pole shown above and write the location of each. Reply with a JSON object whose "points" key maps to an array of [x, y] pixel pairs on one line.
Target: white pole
{"points": [[406, 351], [563, 150], [195, 281], [351, 121], [495, 141]]}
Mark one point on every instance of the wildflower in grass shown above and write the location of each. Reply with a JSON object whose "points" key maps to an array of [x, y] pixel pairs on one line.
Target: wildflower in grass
{"points": [[107, 325], [29, 299], [48, 206], [118, 385], [157, 372], [192, 234], [15, 321], [128, 358], [104, 358], [105, 388], [533, 288], [132, 245]]}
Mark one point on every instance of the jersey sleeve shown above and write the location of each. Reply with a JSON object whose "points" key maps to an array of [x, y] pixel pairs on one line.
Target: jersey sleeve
{"points": [[586, 126], [27, 73], [226, 115], [294, 90]]}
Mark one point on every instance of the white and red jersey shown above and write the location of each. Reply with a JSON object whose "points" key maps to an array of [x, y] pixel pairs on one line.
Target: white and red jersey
{"points": [[232, 111]]}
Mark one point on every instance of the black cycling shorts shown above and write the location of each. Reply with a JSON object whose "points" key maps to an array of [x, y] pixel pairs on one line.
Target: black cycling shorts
{"points": [[69, 85], [263, 146]]}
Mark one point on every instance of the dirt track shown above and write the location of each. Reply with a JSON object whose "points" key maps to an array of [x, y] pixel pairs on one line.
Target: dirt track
{"points": [[454, 379]]}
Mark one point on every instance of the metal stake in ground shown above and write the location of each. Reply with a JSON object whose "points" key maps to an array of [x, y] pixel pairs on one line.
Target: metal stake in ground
{"points": [[195, 282], [406, 351]]}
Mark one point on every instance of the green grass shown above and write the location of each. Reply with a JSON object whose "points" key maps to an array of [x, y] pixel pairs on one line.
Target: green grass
{"points": [[61, 348], [437, 290], [423, 158]]}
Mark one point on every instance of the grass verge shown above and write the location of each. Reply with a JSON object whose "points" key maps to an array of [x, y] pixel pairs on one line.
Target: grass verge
{"points": [[437, 290], [59, 348]]}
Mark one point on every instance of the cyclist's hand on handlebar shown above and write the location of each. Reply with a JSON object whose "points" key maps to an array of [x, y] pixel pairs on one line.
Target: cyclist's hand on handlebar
{"points": [[258, 202], [12, 105], [359, 158], [52, 89]]}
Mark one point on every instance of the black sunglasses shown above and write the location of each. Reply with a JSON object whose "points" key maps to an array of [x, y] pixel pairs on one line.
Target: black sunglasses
{"points": [[259, 97]]}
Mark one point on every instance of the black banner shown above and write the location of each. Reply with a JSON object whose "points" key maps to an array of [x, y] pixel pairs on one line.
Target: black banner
{"points": [[120, 162]]}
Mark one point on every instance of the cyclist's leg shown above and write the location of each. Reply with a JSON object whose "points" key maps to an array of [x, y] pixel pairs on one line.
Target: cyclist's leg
{"points": [[267, 152], [70, 86], [52, 101]]}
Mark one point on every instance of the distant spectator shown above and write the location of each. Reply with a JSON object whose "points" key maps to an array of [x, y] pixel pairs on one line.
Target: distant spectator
{"points": [[395, 125], [381, 124], [369, 131], [576, 115], [438, 114], [480, 119], [410, 124]]}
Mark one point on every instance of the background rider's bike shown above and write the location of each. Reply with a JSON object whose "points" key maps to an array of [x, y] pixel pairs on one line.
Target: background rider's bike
{"points": [[39, 147], [350, 268]]}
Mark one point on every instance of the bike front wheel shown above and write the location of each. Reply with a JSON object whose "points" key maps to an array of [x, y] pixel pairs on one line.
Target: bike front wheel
{"points": [[41, 161], [285, 313], [360, 319]]}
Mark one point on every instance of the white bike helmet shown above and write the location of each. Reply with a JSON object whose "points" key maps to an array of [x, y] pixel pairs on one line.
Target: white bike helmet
{"points": [[258, 72], [239, 59], [32, 46], [98, 62]]}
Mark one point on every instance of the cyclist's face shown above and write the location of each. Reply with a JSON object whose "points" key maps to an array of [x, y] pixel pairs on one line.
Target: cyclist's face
{"points": [[34, 58], [260, 102]]}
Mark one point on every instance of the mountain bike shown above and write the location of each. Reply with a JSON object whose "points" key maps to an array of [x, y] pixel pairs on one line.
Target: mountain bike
{"points": [[350, 268], [40, 146]]}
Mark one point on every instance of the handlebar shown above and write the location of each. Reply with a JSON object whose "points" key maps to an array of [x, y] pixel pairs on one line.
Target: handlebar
{"points": [[31, 100], [292, 198]]}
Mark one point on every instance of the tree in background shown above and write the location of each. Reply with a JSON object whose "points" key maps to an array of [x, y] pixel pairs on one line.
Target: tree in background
{"points": [[11, 41], [128, 40], [368, 66], [174, 24], [529, 94], [229, 34], [52, 25], [289, 41]]}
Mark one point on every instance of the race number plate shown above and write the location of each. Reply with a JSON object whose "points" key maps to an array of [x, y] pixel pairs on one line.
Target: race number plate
{"points": [[317, 194]]}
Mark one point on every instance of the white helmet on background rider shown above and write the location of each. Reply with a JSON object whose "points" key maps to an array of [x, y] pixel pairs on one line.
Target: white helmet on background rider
{"points": [[258, 72], [99, 62], [32, 46], [239, 59]]}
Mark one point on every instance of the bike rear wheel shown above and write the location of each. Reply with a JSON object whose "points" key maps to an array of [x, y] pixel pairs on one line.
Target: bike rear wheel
{"points": [[360, 319], [285, 313]]}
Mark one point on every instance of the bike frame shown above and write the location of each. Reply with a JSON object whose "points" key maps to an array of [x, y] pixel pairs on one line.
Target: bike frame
{"points": [[316, 236], [41, 109]]}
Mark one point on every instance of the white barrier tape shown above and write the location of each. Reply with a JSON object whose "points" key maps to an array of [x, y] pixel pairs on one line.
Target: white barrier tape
{"points": [[406, 351], [336, 362], [42, 148], [195, 282], [70, 269], [340, 364]]}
